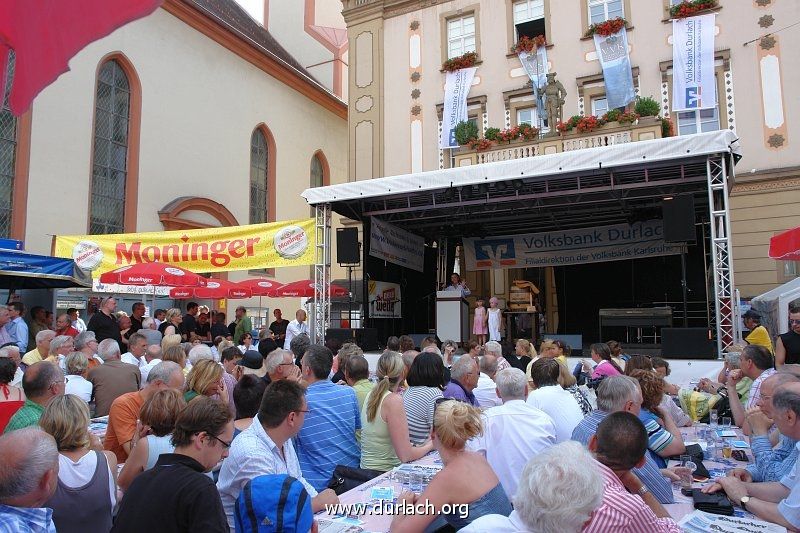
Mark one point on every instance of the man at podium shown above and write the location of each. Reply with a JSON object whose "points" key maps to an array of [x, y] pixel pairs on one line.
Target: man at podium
{"points": [[457, 285]]}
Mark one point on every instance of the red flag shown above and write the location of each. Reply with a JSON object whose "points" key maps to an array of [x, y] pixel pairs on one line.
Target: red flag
{"points": [[45, 34]]}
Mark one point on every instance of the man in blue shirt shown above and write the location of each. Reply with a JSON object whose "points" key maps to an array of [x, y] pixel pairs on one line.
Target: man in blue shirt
{"points": [[328, 436], [17, 328], [622, 393], [771, 464], [27, 480]]}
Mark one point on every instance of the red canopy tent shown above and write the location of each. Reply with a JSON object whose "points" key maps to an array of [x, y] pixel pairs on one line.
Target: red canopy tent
{"points": [[304, 288], [785, 246], [260, 287], [156, 274], [214, 289]]}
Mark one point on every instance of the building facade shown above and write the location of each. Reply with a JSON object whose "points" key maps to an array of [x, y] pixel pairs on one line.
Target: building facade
{"points": [[192, 117], [396, 89]]}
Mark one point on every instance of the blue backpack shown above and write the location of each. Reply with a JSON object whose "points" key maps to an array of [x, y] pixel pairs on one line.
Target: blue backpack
{"points": [[273, 503]]}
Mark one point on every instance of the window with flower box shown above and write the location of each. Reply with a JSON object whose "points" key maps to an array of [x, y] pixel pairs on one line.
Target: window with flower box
{"points": [[460, 36], [602, 10]]}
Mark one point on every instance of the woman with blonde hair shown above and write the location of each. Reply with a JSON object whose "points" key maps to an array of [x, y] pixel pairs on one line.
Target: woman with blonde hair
{"points": [[205, 379], [479, 489], [545, 349], [385, 441], [172, 322], [570, 384], [86, 491], [170, 340], [176, 354], [158, 414]]}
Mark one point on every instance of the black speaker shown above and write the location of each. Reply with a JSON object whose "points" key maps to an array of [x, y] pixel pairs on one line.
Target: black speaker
{"points": [[678, 214], [347, 252], [687, 343], [366, 338]]}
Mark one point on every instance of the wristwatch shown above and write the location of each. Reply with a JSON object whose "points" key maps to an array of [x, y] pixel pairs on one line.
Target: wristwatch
{"points": [[743, 501], [642, 490]]}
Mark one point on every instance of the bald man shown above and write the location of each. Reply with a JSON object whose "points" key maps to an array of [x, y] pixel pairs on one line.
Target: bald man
{"points": [[41, 383]]}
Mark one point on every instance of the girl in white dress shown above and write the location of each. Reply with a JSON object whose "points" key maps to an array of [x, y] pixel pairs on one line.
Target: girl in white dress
{"points": [[495, 320]]}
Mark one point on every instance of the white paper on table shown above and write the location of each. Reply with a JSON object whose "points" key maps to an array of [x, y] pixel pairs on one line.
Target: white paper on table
{"points": [[700, 522]]}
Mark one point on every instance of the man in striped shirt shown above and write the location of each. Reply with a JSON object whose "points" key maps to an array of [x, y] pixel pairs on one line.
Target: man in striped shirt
{"points": [[622, 393], [619, 445], [757, 364], [328, 436]]}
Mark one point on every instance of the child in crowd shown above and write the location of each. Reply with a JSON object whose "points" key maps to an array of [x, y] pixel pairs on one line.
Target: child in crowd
{"points": [[479, 322]]}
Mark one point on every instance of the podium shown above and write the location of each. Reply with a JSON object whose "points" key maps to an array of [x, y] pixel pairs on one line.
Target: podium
{"points": [[452, 316]]}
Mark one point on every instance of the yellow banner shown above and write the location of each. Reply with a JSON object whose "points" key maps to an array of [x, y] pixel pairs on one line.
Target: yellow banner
{"points": [[275, 244]]}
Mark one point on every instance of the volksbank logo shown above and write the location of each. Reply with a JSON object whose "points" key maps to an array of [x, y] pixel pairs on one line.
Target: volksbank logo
{"points": [[693, 97], [491, 252]]}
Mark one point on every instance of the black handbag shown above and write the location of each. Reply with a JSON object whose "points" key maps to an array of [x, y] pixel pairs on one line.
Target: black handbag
{"points": [[717, 503], [346, 478]]}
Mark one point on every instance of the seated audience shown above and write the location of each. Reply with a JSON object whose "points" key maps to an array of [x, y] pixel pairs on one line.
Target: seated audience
{"points": [[642, 362], [42, 382], [619, 446], [486, 390], [392, 344], [661, 366], [172, 323], [385, 441], [298, 346], [664, 437], [77, 368], [152, 356], [428, 341], [356, 374], [548, 396], [206, 379], [137, 345], [150, 331], [622, 393], [28, 479], [408, 359], [113, 378], [425, 384], [496, 349], [280, 365], [570, 384], [556, 493], [604, 364], [774, 501], [266, 447], [771, 464], [616, 354], [158, 415], [229, 359], [328, 435], [247, 396], [756, 363], [176, 495], [124, 413], [524, 354], [11, 398], [345, 352], [513, 432], [87, 490], [247, 343], [60, 346], [463, 380], [42, 349], [173, 339], [64, 326], [478, 486], [448, 352], [405, 344], [10, 351], [86, 343]]}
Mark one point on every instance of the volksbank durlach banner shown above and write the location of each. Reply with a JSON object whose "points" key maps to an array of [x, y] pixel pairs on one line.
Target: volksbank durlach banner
{"points": [[693, 82], [456, 90], [535, 65], [612, 51], [573, 247]]}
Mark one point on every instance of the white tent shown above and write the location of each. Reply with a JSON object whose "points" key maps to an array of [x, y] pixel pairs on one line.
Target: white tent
{"points": [[774, 306]]}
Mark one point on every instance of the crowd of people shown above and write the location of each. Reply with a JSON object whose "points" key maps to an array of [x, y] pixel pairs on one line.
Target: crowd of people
{"points": [[218, 435]]}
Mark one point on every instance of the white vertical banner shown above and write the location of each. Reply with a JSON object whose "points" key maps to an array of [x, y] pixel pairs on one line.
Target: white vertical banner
{"points": [[612, 51], [535, 66], [693, 82], [456, 90]]}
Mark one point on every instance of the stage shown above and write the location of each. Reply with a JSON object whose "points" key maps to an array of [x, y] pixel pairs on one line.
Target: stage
{"points": [[569, 193]]}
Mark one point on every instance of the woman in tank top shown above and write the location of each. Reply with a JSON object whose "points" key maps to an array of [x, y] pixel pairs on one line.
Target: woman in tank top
{"points": [[86, 491], [11, 397], [385, 442], [157, 416]]}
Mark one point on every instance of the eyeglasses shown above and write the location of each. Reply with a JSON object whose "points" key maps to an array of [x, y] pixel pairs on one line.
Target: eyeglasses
{"points": [[302, 410], [285, 364], [794, 321], [225, 444]]}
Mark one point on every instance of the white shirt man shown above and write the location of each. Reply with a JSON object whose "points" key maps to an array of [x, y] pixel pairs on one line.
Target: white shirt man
{"points": [[559, 404], [295, 328], [486, 391], [137, 345], [514, 432]]}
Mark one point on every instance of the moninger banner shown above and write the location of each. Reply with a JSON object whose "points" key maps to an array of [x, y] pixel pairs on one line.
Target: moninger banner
{"points": [[255, 246]]}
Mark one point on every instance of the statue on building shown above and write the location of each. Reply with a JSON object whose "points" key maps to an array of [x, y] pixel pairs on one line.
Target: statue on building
{"points": [[554, 100]]}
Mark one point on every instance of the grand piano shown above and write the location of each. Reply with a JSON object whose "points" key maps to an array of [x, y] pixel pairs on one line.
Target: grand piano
{"points": [[640, 317]]}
